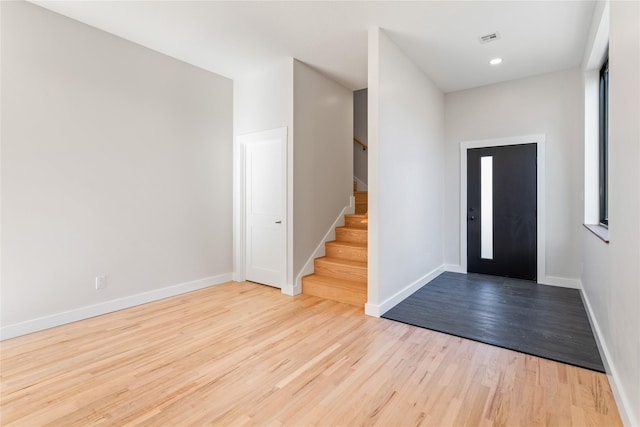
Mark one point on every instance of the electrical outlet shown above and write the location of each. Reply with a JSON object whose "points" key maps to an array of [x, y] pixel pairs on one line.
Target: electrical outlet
{"points": [[101, 282]]}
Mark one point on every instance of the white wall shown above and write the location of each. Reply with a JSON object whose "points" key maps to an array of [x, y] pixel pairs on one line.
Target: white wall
{"points": [[549, 104], [406, 141], [611, 276], [323, 157], [360, 131], [594, 56], [116, 160], [263, 100], [318, 114]]}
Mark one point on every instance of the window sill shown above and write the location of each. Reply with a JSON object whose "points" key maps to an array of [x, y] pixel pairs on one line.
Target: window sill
{"points": [[599, 230]]}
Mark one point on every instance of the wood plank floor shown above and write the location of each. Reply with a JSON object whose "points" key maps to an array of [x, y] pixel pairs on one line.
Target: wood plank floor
{"points": [[244, 354], [545, 321]]}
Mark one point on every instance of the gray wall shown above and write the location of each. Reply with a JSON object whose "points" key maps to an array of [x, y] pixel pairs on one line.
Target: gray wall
{"points": [[116, 160], [323, 157], [360, 131]]}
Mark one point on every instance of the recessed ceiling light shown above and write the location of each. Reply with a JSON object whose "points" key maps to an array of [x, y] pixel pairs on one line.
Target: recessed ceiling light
{"points": [[495, 61]]}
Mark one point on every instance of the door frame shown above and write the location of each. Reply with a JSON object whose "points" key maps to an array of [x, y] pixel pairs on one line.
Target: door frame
{"points": [[239, 206], [540, 141]]}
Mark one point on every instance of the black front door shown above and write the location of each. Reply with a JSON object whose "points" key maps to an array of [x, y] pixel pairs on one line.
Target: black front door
{"points": [[502, 210]]}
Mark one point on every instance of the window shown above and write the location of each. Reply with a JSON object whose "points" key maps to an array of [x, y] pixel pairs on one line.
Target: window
{"points": [[604, 143], [486, 207]]}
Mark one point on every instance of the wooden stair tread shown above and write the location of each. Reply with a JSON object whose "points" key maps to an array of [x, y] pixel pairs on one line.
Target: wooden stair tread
{"points": [[350, 244], [339, 261], [342, 290], [361, 207], [341, 268], [361, 216], [355, 229], [352, 234], [356, 251], [355, 221], [361, 196], [359, 232], [352, 285]]}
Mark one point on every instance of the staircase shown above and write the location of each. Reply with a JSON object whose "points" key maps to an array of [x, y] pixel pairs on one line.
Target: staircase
{"points": [[341, 275], [361, 200]]}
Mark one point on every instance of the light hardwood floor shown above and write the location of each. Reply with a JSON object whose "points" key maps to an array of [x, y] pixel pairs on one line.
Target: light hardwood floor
{"points": [[244, 354]]}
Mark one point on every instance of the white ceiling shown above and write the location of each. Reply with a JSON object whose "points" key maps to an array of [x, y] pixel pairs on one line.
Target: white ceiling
{"points": [[234, 37]]}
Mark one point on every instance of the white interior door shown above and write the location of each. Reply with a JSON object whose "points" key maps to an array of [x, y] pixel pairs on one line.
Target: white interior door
{"points": [[265, 208]]}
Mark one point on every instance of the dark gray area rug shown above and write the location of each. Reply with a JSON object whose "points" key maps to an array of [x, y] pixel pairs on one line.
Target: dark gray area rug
{"points": [[527, 317]]}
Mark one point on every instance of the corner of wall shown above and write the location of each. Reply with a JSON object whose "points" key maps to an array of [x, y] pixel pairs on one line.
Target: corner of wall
{"points": [[613, 376], [377, 310], [323, 156], [454, 268], [373, 83]]}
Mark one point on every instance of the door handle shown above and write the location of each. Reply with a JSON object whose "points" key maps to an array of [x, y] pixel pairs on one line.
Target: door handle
{"points": [[278, 222]]}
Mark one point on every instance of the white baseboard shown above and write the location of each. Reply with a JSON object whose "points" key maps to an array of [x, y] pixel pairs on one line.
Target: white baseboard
{"points": [[362, 186], [562, 282], [319, 251], [454, 268], [377, 310], [622, 400], [93, 310]]}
